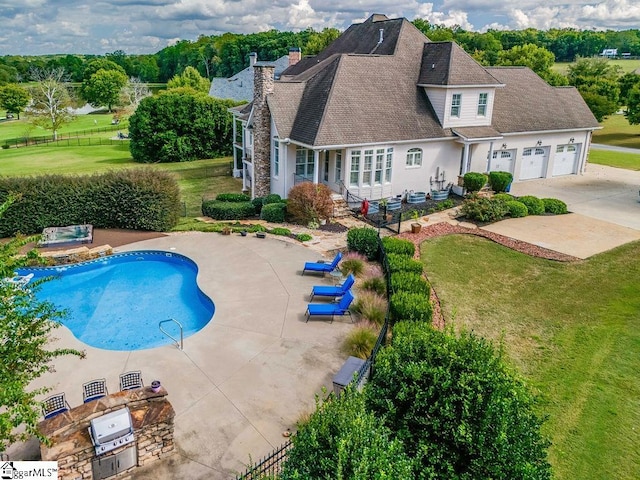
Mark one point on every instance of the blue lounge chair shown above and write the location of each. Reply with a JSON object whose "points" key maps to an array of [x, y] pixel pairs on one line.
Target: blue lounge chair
{"points": [[322, 267], [331, 309], [335, 292]]}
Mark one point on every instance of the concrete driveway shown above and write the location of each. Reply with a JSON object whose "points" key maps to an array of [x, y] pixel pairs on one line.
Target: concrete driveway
{"points": [[604, 205]]}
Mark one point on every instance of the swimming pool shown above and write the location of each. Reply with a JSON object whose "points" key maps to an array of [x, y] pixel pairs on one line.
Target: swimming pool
{"points": [[116, 302]]}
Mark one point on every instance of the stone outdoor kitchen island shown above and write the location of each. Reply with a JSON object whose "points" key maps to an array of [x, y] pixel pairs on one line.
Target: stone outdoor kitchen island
{"points": [[72, 447]]}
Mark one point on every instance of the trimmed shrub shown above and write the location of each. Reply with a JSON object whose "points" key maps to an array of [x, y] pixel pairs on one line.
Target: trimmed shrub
{"points": [[257, 204], [137, 199], [370, 306], [308, 201], [403, 263], [363, 240], [500, 181], [534, 204], [227, 210], [407, 306], [554, 206], [273, 212], [517, 209], [474, 181], [233, 197], [283, 232], [504, 197], [360, 341], [410, 282], [483, 209], [399, 246], [375, 284], [303, 237], [271, 198]]}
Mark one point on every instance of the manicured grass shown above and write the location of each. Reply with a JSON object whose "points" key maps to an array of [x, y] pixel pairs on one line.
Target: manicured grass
{"points": [[573, 330], [196, 179], [617, 131], [628, 161], [23, 128], [625, 65]]}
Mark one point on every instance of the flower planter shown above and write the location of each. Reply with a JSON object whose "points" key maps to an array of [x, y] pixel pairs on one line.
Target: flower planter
{"points": [[417, 197], [439, 194], [155, 386], [261, 234], [394, 204], [416, 227]]}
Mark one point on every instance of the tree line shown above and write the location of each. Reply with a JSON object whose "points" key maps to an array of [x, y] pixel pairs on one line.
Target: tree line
{"points": [[226, 54]]}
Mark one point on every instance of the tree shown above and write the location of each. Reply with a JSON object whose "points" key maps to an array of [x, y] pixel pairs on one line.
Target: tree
{"points": [[100, 64], [14, 98], [626, 83], [633, 105], [190, 78], [459, 410], [597, 81], [538, 59], [51, 104], [133, 93], [180, 125], [343, 440], [25, 326], [103, 88]]}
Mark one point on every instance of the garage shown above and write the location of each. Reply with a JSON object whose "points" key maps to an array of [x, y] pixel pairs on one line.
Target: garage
{"points": [[502, 161], [534, 163], [566, 160]]}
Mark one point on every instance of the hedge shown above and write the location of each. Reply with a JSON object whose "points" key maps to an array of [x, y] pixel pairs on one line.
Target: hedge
{"points": [[500, 181], [407, 306], [363, 240], [534, 204], [517, 209], [136, 199], [227, 210], [554, 206], [403, 263], [273, 212], [410, 282], [399, 246], [233, 197], [474, 181]]}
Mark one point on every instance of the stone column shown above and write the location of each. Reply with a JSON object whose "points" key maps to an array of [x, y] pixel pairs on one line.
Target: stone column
{"points": [[263, 80]]}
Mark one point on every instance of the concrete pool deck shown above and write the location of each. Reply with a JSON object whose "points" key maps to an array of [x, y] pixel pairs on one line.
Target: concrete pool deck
{"points": [[246, 377]]}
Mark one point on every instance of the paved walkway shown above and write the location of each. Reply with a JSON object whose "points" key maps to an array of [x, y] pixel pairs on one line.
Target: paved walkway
{"points": [[244, 379]]}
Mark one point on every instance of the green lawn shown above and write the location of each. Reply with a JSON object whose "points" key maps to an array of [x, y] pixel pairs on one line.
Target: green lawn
{"points": [[625, 65], [23, 128], [617, 131], [573, 330]]}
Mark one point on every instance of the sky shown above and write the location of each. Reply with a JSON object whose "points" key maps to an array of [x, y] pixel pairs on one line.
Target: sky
{"points": [[39, 27]]}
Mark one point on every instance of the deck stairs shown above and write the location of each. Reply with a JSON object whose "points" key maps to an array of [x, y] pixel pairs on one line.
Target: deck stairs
{"points": [[340, 207]]}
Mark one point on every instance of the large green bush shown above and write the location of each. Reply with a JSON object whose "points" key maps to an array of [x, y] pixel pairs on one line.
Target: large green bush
{"points": [[233, 197], [404, 263], [535, 206], [517, 209], [483, 209], [554, 206], [363, 240], [407, 306], [137, 199], [500, 181], [399, 246], [474, 181], [273, 212], [180, 125], [227, 210], [457, 406], [342, 440]]}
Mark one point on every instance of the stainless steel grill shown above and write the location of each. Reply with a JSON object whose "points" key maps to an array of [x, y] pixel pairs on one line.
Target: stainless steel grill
{"points": [[111, 431]]}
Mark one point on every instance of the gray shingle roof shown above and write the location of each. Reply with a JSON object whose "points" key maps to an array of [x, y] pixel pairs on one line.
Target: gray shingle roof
{"points": [[240, 86], [528, 103], [446, 63]]}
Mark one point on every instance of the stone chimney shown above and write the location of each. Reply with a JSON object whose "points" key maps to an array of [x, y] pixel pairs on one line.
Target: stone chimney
{"points": [[253, 58], [263, 79], [294, 55]]}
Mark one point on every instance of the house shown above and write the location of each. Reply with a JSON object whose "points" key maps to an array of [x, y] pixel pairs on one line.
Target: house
{"points": [[609, 53], [383, 110]]}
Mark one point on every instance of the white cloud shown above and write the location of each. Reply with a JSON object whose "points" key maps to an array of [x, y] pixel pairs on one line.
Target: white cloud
{"points": [[449, 19]]}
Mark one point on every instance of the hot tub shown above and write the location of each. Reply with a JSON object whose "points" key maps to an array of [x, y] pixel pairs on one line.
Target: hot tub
{"points": [[69, 235]]}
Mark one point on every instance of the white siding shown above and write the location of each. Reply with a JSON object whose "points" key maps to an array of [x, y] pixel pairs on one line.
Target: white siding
{"points": [[438, 99], [468, 108]]}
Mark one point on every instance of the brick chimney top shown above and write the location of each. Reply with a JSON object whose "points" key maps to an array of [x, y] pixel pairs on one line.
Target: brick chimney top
{"points": [[294, 55]]}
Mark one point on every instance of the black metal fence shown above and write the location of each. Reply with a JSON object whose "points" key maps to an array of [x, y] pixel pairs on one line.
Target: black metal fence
{"points": [[79, 137], [271, 465]]}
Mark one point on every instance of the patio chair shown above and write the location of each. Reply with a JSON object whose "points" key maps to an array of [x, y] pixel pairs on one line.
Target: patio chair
{"points": [[131, 380], [322, 267], [331, 309], [335, 292], [54, 405], [94, 390]]}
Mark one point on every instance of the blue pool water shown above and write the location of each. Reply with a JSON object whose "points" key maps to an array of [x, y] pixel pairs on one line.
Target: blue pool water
{"points": [[116, 302]]}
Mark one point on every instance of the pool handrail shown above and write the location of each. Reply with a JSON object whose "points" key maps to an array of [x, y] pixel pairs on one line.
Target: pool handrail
{"points": [[178, 344]]}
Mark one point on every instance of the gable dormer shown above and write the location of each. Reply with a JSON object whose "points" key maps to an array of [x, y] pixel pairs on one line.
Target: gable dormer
{"points": [[460, 90]]}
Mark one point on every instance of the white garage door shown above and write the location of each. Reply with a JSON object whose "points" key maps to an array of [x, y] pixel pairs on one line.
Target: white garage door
{"points": [[534, 163], [566, 160], [502, 161]]}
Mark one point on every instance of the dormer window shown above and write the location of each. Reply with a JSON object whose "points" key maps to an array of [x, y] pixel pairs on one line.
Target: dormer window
{"points": [[456, 100], [482, 104]]}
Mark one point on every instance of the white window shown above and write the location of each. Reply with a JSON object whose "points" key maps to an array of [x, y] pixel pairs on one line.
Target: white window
{"points": [[414, 157], [379, 166], [338, 176], [354, 175], [539, 151], [571, 148], [560, 149], [276, 156], [387, 169], [526, 152], [304, 163], [482, 104], [456, 100], [367, 168]]}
